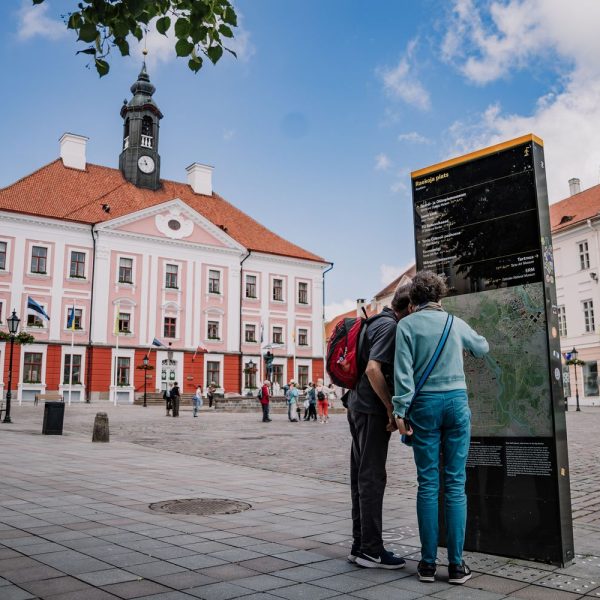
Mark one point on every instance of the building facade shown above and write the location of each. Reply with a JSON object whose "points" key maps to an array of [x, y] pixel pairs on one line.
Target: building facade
{"points": [[134, 259], [576, 240]]}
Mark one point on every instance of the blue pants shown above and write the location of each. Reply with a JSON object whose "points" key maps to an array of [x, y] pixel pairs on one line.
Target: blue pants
{"points": [[441, 421]]}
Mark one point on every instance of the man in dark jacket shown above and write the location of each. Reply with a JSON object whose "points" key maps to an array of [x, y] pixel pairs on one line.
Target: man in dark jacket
{"points": [[264, 401], [371, 423], [175, 397]]}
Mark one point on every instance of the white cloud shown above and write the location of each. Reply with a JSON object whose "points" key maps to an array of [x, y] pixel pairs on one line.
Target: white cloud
{"points": [[34, 21], [382, 162], [398, 186], [413, 137], [241, 44], [401, 81], [338, 308], [228, 134], [390, 272], [514, 35]]}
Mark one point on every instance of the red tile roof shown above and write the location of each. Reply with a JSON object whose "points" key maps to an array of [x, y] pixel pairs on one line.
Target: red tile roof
{"points": [[61, 192], [390, 288], [575, 209]]}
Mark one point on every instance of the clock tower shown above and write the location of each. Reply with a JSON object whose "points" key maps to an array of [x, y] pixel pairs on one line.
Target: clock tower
{"points": [[139, 160]]}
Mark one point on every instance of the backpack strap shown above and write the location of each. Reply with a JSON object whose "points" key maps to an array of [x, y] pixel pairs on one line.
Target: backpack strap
{"points": [[363, 336], [433, 360]]}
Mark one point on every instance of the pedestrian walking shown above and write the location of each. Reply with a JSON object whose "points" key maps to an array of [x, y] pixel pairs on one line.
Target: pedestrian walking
{"points": [[175, 396], [371, 421], [167, 399], [263, 396], [292, 402], [312, 402], [432, 410], [331, 395], [210, 394], [322, 395], [197, 400]]}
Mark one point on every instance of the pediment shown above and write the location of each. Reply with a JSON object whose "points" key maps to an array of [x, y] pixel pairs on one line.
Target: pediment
{"points": [[172, 221]]}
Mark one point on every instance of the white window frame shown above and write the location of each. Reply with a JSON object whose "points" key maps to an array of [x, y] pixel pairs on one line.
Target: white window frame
{"points": [[216, 322], [282, 327], [123, 353], [66, 317], [308, 294], [308, 336], [221, 281], [76, 386], [49, 257], [86, 268], [44, 326], [126, 306], [256, 332], [2, 314], [170, 315], [177, 264], [214, 358], [257, 284], [584, 255], [39, 348], [283, 289], [303, 363], [562, 320], [587, 318], [213, 315], [133, 270], [8, 255]]}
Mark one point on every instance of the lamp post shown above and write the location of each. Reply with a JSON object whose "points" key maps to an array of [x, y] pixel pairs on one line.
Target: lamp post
{"points": [[574, 355], [251, 371], [146, 361], [13, 326]]}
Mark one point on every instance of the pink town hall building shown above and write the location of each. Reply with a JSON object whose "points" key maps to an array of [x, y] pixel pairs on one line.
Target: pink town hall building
{"points": [[137, 257]]}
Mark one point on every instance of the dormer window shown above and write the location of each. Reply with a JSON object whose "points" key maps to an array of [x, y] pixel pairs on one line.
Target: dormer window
{"points": [[147, 132], [566, 219]]}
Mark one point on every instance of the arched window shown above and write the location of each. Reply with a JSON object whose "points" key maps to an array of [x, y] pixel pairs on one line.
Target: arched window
{"points": [[147, 132], [126, 134]]}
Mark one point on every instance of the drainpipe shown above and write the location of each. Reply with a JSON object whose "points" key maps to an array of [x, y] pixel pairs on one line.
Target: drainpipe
{"points": [[88, 373], [241, 300], [323, 314]]}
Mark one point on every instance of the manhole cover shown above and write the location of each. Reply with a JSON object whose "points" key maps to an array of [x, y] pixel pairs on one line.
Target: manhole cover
{"points": [[200, 506]]}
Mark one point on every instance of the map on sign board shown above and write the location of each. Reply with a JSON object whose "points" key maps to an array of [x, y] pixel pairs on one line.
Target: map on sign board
{"points": [[509, 391]]}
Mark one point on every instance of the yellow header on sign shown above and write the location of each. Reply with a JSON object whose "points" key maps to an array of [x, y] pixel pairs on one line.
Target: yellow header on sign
{"points": [[477, 154]]}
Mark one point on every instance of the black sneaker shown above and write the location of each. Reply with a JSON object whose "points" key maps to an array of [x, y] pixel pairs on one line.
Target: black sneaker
{"points": [[458, 574], [426, 571], [354, 552], [385, 560]]}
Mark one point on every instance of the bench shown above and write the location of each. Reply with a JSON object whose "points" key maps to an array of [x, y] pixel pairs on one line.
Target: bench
{"points": [[49, 396]]}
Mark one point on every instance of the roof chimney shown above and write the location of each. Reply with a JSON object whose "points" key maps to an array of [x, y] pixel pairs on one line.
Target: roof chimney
{"points": [[360, 304], [72, 150], [574, 186], [200, 178]]}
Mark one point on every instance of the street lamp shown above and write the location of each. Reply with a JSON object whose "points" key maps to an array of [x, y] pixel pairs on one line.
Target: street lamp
{"points": [[13, 326], [146, 361], [574, 355], [251, 372]]}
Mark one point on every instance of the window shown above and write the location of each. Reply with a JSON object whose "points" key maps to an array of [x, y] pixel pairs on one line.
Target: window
{"points": [[76, 319], [124, 322], [278, 290], [590, 378], [123, 368], [302, 337], [278, 374], [584, 255], [303, 293], [39, 257], [562, 321], [77, 265], [126, 270], [213, 373], [302, 376], [76, 369], [250, 333], [214, 282], [170, 328], [249, 376], [36, 320], [1, 312], [250, 286], [588, 313], [3, 246], [32, 367], [278, 335], [213, 330], [171, 281]]}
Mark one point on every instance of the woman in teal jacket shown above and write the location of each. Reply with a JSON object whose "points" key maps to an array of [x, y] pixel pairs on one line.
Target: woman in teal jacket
{"points": [[439, 417]]}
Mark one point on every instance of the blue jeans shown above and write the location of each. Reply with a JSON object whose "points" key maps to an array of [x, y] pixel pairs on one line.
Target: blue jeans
{"points": [[441, 421]]}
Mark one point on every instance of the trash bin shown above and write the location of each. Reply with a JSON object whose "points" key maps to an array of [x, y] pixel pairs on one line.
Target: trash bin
{"points": [[54, 415]]}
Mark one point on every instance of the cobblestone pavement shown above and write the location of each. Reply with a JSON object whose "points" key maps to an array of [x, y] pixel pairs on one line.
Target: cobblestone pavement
{"points": [[75, 522]]}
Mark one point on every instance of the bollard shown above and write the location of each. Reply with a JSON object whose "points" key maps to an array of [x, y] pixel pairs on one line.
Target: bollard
{"points": [[101, 433]]}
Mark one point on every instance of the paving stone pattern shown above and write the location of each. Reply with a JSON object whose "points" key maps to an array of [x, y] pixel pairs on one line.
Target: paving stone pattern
{"points": [[75, 521]]}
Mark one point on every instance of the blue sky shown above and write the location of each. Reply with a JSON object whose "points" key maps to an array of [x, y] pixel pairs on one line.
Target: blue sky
{"points": [[315, 128]]}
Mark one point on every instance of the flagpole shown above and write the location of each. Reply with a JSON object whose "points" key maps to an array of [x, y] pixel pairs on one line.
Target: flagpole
{"points": [[72, 355], [116, 353]]}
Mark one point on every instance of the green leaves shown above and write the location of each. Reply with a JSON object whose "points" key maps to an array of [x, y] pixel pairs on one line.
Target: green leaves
{"points": [[200, 27]]}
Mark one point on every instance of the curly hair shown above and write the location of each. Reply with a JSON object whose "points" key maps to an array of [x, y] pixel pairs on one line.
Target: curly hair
{"points": [[426, 286]]}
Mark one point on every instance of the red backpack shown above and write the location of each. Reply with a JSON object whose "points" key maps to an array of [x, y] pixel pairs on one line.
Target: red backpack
{"points": [[344, 351]]}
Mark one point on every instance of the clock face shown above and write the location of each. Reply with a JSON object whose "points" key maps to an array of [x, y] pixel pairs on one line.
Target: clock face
{"points": [[146, 164]]}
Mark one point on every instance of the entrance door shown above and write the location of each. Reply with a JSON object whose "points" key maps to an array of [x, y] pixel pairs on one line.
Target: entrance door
{"points": [[167, 375]]}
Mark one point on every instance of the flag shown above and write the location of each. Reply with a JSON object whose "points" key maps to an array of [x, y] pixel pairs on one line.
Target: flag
{"points": [[158, 343], [32, 305], [71, 318], [201, 348]]}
